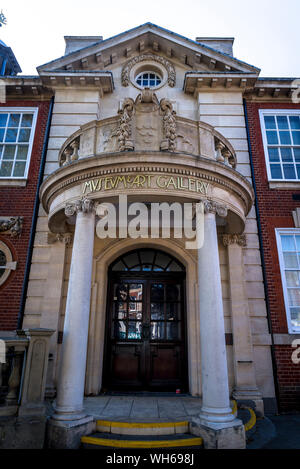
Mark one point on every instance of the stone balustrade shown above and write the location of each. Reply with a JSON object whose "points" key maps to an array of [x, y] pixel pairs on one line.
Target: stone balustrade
{"points": [[23, 368], [147, 125], [70, 152], [223, 153]]}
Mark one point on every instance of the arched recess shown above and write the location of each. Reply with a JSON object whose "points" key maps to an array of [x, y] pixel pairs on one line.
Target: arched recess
{"points": [[102, 262]]}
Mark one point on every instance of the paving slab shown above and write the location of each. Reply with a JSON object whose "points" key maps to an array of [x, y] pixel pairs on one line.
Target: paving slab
{"points": [[144, 408], [117, 407], [171, 408]]}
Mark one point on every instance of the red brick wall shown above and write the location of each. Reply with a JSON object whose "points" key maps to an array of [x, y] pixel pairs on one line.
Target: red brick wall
{"points": [[275, 209], [19, 201]]}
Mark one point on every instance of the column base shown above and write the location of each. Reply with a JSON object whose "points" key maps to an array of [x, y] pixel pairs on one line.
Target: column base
{"points": [[216, 414], [67, 434], [250, 398], [216, 435], [64, 413]]}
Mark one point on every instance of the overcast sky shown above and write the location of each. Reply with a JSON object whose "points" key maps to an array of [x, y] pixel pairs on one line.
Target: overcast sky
{"points": [[266, 32]]}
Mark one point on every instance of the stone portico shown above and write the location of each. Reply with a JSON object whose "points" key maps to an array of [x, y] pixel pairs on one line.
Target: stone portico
{"points": [[182, 142]]}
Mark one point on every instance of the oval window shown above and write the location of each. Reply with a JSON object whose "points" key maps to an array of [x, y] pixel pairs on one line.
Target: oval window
{"points": [[148, 79]]}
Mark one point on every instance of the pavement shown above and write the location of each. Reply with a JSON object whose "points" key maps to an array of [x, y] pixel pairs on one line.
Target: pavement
{"points": [[271, 432], [276, 432], [139, 408]]}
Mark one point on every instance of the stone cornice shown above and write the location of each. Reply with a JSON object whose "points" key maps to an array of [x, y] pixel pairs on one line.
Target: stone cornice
{"points": [[219, 177]]}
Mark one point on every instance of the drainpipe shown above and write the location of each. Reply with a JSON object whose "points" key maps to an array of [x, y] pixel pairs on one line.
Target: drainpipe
{"points": [[34, 218], [276, 385]]}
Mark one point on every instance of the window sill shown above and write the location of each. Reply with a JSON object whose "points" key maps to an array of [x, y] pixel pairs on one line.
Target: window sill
{"points": [[284, 185], [13, 182]]}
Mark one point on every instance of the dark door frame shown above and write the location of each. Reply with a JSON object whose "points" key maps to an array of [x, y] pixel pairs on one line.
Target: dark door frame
{"points": [[144, 277]]}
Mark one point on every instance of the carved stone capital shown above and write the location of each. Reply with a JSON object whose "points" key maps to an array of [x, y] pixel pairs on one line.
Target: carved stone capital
{"points": [[213, 207], [239, 239], [65, 238], [11, 225], [83, 205]]}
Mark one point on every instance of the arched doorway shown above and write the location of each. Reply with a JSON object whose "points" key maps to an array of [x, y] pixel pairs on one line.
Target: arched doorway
{"points": [[146, 334]]}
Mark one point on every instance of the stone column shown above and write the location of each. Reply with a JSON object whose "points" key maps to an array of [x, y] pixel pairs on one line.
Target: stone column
{"points": [[216, 420], [70, 389], [245, 381]]}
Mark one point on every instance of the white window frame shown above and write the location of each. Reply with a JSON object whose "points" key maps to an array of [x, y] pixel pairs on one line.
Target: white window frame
{"points": [[274, 112], [286, 231], [15, 110]]}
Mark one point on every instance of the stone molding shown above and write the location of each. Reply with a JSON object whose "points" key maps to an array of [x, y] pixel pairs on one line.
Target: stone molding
{"points": [[125, 76], [95, 172], [11, 225], [83, 205], [213, 207], [239, 239]]}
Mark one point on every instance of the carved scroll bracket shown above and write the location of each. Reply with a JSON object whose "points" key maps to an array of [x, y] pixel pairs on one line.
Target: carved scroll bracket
{"points": [[169, 124]]}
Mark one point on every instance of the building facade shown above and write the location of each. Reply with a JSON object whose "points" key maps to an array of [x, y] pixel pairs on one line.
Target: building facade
{"points": [[149, 132], [157, 118], [24, 110], [274, 130]]}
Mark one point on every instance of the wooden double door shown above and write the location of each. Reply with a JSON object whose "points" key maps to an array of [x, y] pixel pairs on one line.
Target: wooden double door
{"points": [[145, 339]]}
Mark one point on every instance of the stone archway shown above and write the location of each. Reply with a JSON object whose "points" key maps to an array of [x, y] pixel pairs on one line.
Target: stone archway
{"points": [[99, 300]]}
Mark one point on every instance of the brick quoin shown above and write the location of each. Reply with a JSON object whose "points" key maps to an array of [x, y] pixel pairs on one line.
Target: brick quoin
{"points": [[275, 209], [19, 201]]}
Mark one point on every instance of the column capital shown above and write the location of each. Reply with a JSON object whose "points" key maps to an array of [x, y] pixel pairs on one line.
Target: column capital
{"points": [[83, 205], [213, 207], [239, 239]]}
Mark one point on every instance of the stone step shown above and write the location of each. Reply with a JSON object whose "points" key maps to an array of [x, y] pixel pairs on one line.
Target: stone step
{"points": [[142, 428], [106, 440]]}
